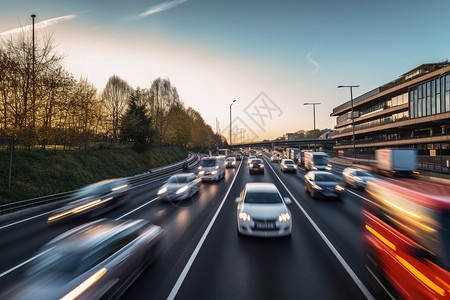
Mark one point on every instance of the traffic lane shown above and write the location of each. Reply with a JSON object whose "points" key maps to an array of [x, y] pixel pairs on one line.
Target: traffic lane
{"points": [[184, 223], [20, 242], [234, 266], [339, 220]]}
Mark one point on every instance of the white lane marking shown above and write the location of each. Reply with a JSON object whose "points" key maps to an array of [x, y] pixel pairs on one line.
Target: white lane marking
{"points": [[352, 274], [24, 220], [183, 274], [23, 263], [358, 195], [137, 208]]}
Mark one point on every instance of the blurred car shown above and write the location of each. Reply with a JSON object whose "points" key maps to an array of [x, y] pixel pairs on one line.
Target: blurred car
{"points": [[256, 166], [250, 158], [357, 177], [212, 168], [406, 237], [261, 211], [238, 156], [180, 187], [92, 200], [274, 158], [230, 162], [323, 184], [288, 165], [98, 260], [259, 154]]}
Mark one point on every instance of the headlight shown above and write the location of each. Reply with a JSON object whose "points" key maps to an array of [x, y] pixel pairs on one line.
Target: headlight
{"points": [[317, 187], [328, 168], [214, 172], [182, 190], [284, 217], [250, 165], [262, 166], [217, 167], [162, 191], [314, 168], [295, 167], [201, 172], [233, 163], [245, 217], [339, 188], [200, 167]]}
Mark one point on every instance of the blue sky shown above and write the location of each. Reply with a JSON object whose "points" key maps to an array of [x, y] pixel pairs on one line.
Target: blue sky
{"points": [[215, 51]]}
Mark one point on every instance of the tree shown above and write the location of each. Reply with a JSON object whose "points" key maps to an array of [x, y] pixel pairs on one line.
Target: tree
{"points": [[115, 97], [136, 125]]}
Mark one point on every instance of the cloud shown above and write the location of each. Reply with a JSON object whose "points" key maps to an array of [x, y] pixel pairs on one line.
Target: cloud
{"points": [[39, 25], [308, 58], [161, 7]]}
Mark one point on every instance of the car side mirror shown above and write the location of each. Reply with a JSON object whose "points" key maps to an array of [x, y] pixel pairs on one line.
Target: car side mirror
{"points": [[287, 200], [238, 200]]}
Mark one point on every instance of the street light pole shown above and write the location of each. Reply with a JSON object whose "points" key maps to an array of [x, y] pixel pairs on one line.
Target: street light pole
{"points": [[231, 124], [353, 118], [314, 117], [34, 78]]}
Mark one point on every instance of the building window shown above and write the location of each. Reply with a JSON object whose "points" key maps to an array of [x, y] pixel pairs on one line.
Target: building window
{"points": [[411, 104], [438, 96]]}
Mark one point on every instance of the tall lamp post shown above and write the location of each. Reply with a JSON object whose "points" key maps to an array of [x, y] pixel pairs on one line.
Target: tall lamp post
{"points": [[314, 116], [353, 118], [231, 124]]}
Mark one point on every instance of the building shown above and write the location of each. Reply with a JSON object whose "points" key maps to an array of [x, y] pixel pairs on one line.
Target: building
{"points": [[412, 111]]}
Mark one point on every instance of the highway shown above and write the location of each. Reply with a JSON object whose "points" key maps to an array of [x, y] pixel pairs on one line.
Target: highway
{"points": [[205, 258]]}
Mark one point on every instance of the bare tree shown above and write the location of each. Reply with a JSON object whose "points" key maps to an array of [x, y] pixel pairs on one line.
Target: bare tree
{"points": [[115, 97]]}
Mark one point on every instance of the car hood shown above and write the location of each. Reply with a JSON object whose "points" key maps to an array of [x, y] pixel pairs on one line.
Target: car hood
{"points": [[48, 286], [208, 169], [328, 184], [264, 211], [174, 186]]}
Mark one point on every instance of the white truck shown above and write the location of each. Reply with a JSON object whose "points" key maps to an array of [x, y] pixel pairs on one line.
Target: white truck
{"points": [[317, 161], [397, 161]]}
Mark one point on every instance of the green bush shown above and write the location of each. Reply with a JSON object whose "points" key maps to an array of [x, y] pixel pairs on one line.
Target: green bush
{"points": [[43, 172]]}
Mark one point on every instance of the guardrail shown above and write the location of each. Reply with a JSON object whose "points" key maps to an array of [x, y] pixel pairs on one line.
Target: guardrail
{"points": [[135, 181]]}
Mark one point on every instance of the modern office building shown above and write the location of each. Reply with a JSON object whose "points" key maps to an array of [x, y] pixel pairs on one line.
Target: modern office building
{"points": [[411, 111]]}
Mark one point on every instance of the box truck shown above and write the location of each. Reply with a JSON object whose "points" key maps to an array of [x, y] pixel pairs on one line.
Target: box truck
{"points": [[317, 161], [397, 161]]}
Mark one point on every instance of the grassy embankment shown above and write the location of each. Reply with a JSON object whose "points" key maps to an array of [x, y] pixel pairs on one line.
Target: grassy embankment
{"points": [[43, 172]]}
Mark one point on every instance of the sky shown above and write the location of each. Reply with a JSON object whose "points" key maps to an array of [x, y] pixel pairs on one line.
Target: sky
{"points": [[269, 56]]}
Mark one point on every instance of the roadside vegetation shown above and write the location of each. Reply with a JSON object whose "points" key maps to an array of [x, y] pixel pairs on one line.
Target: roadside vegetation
{"points": [[44, 172]]}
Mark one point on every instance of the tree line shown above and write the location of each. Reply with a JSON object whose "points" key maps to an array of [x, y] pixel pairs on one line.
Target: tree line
{"points": [[41, 103]]}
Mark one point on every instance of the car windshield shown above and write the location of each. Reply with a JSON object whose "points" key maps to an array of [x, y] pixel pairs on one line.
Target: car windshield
{"points": [[324, 177], [262, 197], [177, 179], [230, 159], [289, 162], [208, 163], [362, 173], [320, 159], [256, 161]]}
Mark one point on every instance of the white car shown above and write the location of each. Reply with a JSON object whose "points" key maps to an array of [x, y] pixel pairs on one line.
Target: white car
{"points": [[261, 211], [288, 165], [230, 162], [357, 177], [180, 187], [274, 158]]}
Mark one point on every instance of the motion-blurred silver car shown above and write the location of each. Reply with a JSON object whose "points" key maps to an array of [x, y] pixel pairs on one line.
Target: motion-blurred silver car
{"points": [[98, 260], [180, 187], [323, 184], [94, 199], [274, 158], [288, 165], [357, 178]]}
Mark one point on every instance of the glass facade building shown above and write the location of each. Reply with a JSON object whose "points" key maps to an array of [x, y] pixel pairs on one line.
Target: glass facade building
{"points": [[411, 111]]}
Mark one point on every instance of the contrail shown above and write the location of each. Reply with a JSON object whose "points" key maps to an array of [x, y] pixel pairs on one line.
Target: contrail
{"points": [[161, 7], [39, 25], [308, 57]]}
